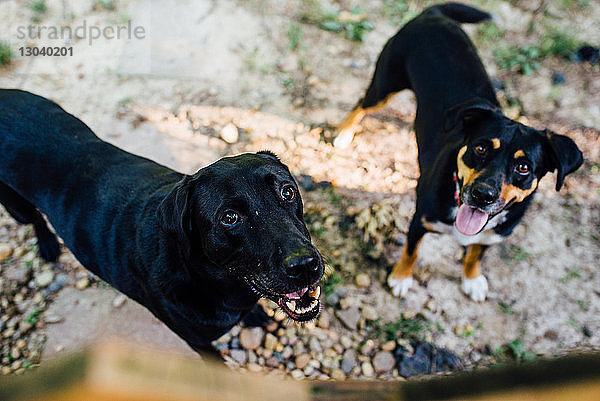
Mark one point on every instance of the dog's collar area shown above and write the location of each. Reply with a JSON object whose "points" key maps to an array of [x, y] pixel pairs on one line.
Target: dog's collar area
{"points": [[456, 188]]}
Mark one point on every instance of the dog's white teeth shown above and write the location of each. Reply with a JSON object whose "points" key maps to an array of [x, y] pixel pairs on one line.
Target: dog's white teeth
{"points": [[291, 305], [316, 292]]}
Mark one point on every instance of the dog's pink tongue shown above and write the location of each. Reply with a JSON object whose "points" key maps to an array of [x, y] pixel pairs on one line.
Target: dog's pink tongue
{"points": [[297, 294], [469, 221]]}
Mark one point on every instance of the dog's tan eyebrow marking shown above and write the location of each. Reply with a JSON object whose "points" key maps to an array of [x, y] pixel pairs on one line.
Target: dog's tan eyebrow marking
{"points": [[465, 173], [511, 192], [496, 143], [519, 153]]}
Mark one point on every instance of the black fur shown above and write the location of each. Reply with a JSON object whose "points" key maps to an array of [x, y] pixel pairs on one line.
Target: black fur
{"points": [[154, 234]]}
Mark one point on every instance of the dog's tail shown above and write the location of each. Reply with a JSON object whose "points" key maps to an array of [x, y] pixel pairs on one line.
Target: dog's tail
{"points": [[458, 12]]}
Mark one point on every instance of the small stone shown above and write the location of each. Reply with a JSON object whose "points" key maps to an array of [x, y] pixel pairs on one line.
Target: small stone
{"points": [[19, 274], [82, 283], [558, 78], [369, 313], [368, 347], [44, 278], [302, 360], [25, 327], [296, 374], [349, 317], [15, 353], [272, 326], [346, 341], [254, 367], [367, 369], [272, 362], [587, 331], [383, 361], [270, 341], [314, 345], [388, 346], [5, 252], [119, 301], [306, 182], [287, 352], [362, 280], [431, 305], [20, 344], [349, 361], [230, 133], [324, 320], [251, 338], [53, 319], [224, 339], [338, 374], [239, 355]]}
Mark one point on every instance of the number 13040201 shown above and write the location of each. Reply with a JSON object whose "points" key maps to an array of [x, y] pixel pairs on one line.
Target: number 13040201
{"points": [[49, 51]]}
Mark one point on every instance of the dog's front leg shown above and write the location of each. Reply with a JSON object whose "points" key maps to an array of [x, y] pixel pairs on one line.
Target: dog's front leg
{"points": [[400, 279], [474, 284]]}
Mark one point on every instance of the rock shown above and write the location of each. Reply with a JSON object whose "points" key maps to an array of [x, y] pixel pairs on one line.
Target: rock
{"points": [[367, 369], [349, 361], [302, 360], [324, 319], [272, 362], [558, 78], [349, 317], [44, 278], [309, 370], [270, 341], [383, 361], [306, 182], [19, 274], [362, 280], [431, 304], [239, 355], [119, 300], [25, 327], [20, 344], [388, 346], [230, 133], [254, 367], [587, 53], [587, 331], [332, 299], [369, 313], [287, 352], [368, 347], [426, 359], [297, 374], [82, 283], [346, 341], [272, 326], [338, 374], [53, 319], [251, 338], [5, 252], [314, 345]]}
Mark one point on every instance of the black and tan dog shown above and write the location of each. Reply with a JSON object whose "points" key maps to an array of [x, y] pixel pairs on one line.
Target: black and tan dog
{"points": [[197, 250], [478, 167]]}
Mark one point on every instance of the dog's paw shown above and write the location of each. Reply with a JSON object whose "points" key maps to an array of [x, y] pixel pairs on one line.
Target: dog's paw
{"points": [[344, 138], [400, 287], [476, 288]]}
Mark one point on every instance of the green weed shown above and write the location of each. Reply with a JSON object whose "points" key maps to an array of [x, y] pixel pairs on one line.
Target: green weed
{"points": [[412, 329], [506, 308], [517, 253], [5, 53], [570, 275], [294, 36], [522, 59], [330, 282]]}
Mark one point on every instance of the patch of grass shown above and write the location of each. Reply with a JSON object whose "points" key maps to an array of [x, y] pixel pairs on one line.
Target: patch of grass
{"points": [[412, 329], [489, 32], [514, 350], [517, 253], [580, 5], [573, 322], [351, 23], [570, 275], [558, 44], [506, 308], [289, 83], [524, 59], [585, 306], [33, 317], [6, 53], [294, 37], [105, 4], [330, 282], [39, 8], [333, 197]]}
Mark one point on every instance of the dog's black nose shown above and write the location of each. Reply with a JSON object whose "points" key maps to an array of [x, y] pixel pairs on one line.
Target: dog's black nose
{"points": [[298, 265], [484, 194]]}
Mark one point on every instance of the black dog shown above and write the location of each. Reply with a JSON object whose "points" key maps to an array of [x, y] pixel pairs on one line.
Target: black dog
{"points": [[197, 250], [478, 167]]}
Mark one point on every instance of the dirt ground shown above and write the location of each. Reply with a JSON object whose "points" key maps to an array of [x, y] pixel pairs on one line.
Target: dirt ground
{"points": [[268, 70]]}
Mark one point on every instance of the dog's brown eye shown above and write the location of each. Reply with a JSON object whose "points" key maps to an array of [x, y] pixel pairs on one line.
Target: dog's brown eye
{"points": [[480, 149], [230, 218], [288, 193], [523, 168]]}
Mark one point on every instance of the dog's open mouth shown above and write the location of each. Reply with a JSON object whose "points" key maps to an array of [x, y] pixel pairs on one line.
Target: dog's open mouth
{"points": [[302, 305]]}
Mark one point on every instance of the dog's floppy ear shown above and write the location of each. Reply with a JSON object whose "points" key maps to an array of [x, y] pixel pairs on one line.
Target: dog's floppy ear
{"points": [[174, 215], [467, 112], [563, 155]]}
